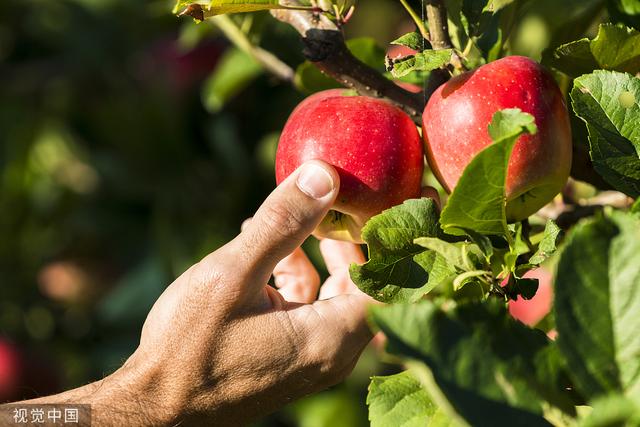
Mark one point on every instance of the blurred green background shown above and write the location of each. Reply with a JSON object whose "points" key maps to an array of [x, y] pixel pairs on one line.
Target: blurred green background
{"points": [[132, 143], [125, 156]]}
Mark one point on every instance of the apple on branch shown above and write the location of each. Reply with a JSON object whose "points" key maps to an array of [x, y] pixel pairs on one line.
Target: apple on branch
{"points": [[374, 146], [455, 123]]}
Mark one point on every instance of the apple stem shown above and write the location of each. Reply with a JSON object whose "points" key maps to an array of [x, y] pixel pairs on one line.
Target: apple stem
{"points": [[326, 49]]}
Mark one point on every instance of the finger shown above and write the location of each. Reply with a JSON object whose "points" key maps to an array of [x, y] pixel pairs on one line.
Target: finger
{"points": [[245, 223], [379, 341], [339, 330], [338, 284], [338, 256], [296, 278], [284, 221], [432, 193], [347, 314]]}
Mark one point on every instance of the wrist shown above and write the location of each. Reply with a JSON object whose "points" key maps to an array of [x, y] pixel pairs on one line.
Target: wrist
{"points": [[148, 393], [137, 394]]}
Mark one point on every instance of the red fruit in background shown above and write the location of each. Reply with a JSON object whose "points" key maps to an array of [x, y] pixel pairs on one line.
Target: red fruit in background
{"points": [[10, 371], [458, 114], [25, 374], [180, 68], [374, 146], [532, 311]]}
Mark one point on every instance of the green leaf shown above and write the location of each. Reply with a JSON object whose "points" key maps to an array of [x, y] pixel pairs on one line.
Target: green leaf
{"points": [[566, 20], [309, 79], [526, 288], [401, 401], [220, 7], [625, 11], [367, 50], [615, 48], [612, 411], [399, 270], [412, 40], [338, 407], [470, 277], [181, 4], [631, 7], [476, 362], [548, 244], [511, 123], [463, 259], [496, 5], [421, 61], [481, 26], [520, 245], [597, 303], [483, 242], [451, 252], [609, 104], [478, 202], [235, 71]]}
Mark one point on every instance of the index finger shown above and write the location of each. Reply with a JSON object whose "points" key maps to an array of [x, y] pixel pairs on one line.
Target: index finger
{"points": [[340, 255]]}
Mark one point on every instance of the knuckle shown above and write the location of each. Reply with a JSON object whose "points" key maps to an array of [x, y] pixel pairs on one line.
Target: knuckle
{"points": [[324, 358], [314, 279], [282, 220], [323, 354], [206, 274], [209, 275]]}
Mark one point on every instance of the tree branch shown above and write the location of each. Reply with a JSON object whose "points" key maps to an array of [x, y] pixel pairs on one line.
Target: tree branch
{"points": [[325, 47], [438, 25], [440, 39], [268, 60]]}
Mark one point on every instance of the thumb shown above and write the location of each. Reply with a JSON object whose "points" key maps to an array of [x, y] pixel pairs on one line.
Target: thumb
{"points": [[286, 218]]}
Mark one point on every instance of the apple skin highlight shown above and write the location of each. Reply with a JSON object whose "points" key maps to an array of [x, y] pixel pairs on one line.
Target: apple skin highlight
{"points": [[457, 115], [374, 146]]}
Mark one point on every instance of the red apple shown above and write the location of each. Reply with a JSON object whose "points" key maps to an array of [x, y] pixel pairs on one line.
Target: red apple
{"points": [[458, 114], [532, 311], [374, 146]]}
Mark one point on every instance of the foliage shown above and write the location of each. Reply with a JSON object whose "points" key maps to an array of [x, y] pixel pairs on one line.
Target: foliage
{"points": [[479, 200], [608, 102], [615, 48], [133, 145], [399, 269]]}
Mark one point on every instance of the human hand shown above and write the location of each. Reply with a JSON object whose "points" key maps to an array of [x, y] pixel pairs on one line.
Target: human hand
{"points": [[225, 347], [222, 347]]}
